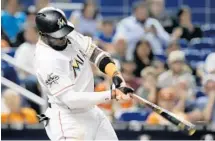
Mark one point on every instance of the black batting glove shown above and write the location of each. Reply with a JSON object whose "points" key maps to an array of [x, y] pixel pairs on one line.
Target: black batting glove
{"points": [[117, 81]]}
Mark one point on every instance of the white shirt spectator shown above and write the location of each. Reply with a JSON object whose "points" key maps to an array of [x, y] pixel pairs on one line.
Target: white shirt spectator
{"points": [[25, 57], [4, 108], [84, 25], [169, 78], [210, 63], [132, 31]]}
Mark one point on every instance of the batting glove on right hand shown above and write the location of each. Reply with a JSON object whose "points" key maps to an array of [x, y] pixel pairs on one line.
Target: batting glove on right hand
{"points": [[121, 88]]}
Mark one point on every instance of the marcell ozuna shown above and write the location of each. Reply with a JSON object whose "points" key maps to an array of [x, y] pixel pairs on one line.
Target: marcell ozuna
{"points": [[62, 66]]}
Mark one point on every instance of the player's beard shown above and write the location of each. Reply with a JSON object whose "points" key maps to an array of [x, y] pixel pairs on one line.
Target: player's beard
{"points": [[58, 44]]}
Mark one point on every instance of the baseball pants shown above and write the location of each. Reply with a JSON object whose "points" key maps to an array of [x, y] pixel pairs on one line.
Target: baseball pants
{"points": [[86, 124]]}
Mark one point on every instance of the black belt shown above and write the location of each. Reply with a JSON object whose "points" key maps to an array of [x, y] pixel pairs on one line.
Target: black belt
{"points": [[43, 118], [49, 105]]}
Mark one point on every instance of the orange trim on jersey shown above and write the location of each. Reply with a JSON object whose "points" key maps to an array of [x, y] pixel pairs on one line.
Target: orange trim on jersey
{"points": [[63, 89], [61, 127]]}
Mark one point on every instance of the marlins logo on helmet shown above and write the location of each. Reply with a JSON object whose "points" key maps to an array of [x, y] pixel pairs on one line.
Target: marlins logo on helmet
{"points": [[61, 22]]}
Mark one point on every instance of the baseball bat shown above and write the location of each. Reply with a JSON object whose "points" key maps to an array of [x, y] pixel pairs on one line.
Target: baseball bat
{"points": [[181, 124]]}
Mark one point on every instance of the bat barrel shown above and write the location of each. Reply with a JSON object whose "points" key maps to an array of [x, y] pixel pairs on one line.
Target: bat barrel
{"points": [[185, 126], [190, 130]]}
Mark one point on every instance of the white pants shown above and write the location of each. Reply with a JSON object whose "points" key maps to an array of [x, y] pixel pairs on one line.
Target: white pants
{"points": [[67, 125]]}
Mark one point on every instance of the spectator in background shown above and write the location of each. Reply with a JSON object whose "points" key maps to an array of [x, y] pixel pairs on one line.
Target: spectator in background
{"points": [[177, 73], [157, 10], [8, 72], [173, 46], [185, 26], [159, 67], [127, 70], [205, 110], [5, 41], [31, 14], [30, 19], [41, 4], [209, 64], [104, 38], [25, 53], [88, 20], [24, 57], [12, 20], [139, 25], [206, 105], [148, 88], [16, 114], [143, 56], [120, 47]]}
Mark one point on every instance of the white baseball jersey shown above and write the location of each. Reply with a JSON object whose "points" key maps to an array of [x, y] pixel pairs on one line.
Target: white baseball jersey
{"points": [[66, 75]]}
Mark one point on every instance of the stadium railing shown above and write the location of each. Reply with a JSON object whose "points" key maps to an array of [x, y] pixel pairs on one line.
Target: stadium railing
{"points": [[21, 90]]}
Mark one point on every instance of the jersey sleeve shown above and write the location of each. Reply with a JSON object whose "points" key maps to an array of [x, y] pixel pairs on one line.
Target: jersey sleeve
{"points": [[55, 77], [85, 43]]}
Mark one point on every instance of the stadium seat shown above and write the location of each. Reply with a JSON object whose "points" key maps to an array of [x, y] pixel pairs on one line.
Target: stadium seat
{"points": [[160, 57], [208, 30], [204, 45], [193, 57], [198, 51], [200, 43], [199, 94], [138, 116], [196, 4], [171, 3]]}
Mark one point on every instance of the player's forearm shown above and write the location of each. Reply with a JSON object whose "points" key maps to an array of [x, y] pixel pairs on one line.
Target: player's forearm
{"points": [[104, 62], [83, 99], [107, 65]]}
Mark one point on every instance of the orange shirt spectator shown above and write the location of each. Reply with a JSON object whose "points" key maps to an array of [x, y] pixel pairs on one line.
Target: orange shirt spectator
{"points": [[15, 113], [26, 115]]}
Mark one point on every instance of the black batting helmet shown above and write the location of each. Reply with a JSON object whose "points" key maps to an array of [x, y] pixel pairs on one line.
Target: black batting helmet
{"points": [[52, 22]]}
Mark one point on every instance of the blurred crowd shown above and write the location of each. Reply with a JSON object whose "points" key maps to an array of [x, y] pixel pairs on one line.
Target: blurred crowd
{"points": [[148, 47]]}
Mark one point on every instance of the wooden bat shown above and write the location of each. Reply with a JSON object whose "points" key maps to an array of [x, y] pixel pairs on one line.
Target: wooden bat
{"points": [[183, 125]]}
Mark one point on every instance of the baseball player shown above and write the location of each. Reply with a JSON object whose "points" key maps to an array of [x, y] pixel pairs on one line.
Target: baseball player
{"points": [[62, 65]]}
